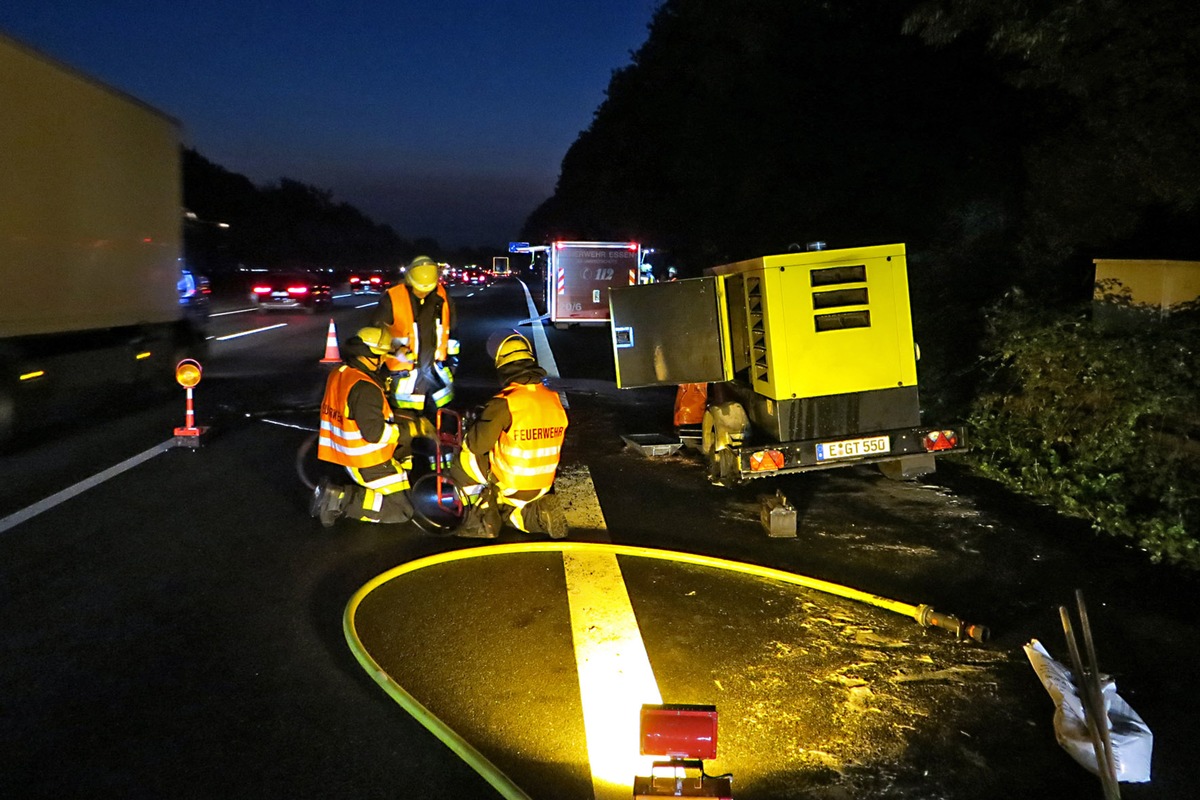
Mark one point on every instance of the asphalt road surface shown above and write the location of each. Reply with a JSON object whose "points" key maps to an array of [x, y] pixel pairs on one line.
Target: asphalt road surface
{"points": [[175, 625]]}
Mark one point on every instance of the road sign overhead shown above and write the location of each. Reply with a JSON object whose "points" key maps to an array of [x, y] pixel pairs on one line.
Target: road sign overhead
{"points": [[516, 247]]}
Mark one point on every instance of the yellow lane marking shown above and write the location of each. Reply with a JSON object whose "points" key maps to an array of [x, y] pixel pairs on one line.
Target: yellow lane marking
{"points": [[615, 678]]}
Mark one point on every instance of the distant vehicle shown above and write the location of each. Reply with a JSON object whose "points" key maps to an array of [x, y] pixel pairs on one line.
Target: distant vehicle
{"points": [[366, 282], [90, 241], [473, 277], [291, 291], [378, 282], [194, 295]]}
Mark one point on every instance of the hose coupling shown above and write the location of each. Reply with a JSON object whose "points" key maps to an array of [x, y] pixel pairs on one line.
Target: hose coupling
{"points": [[935, 619]]}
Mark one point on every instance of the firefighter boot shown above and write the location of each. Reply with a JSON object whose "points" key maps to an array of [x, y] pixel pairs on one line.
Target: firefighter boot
{"points": [[474, 526], [549, 516], [328, 501]]}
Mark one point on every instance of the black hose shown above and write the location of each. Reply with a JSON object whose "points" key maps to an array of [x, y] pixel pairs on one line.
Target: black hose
{"points": [[301, 454]]}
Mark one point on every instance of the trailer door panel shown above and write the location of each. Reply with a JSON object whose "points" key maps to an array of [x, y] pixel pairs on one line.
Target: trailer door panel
{"points": [[669, 333]]}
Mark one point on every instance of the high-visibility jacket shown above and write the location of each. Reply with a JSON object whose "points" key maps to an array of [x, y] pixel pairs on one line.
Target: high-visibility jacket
{"points": [[403, 326], [526, 454], [340, 440]]}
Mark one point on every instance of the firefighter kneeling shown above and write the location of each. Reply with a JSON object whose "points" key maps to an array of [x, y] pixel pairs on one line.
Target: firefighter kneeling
{"points": [[359, 433], [510, 455]]}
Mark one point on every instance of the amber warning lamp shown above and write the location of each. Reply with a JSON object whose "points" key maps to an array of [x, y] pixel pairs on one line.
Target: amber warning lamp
{"points": [[686, 735], [187, 375]]}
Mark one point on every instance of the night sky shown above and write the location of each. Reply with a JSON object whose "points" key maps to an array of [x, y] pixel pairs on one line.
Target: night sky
{"points": [[446, 119]]}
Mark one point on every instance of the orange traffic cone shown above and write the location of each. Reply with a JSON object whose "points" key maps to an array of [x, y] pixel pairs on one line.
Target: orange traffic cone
{"points": [[331, 349]]}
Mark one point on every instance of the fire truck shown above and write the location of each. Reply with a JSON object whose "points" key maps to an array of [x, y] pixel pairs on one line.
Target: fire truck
{"points": [[808, 357], [579, 276]]}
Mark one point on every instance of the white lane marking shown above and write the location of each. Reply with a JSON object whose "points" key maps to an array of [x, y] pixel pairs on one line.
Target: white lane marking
{"points": [[368, 305], [12, 520], [577, 496], [247, 333], [235, 311], [615, 678], [541, 344]]}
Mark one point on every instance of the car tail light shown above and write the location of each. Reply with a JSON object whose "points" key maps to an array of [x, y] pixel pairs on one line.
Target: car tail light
{"points": [[766, 460], [376, 280], [297, 290], [354, 279], [940, 440], [261, 290]]}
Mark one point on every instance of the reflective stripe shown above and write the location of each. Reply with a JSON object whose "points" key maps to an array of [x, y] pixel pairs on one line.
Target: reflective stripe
{"points": [[413, 401], [352, 443], [539, 452], [388, 484], [517, 469]]}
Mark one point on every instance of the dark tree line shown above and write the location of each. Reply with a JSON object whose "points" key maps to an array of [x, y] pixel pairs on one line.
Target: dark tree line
{"points": [[287, 225], [1007, 142]]}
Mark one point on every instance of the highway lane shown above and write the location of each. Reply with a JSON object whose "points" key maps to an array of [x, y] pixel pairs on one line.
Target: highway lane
{"points": [[177, 629]]}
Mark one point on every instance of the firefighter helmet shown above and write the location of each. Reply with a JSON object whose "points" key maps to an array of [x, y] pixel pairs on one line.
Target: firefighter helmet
{"points": [[509, 347], [422, 275], [377, 340]]}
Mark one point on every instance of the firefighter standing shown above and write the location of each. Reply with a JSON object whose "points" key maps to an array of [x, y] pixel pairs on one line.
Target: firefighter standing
{"points": [[359, 433], [510, 454], [419, 317]]}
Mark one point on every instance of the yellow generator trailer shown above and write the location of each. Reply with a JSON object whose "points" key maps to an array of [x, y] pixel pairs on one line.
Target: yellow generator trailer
{"points": [[809, 358]]}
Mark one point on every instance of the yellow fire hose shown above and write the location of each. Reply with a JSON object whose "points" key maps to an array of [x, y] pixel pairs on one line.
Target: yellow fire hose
{"points": [[923, 614]]}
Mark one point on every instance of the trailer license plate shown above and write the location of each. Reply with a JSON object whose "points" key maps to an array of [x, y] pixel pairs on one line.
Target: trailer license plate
{"points": [[852, 448]]}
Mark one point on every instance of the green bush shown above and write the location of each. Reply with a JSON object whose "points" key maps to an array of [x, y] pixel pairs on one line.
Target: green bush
{"points": [[1101, 423]]}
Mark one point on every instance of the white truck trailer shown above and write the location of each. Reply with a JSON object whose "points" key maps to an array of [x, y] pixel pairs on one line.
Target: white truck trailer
{"points": [[90, 239]]}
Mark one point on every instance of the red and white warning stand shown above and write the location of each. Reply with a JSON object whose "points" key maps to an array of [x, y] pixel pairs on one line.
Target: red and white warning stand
{"points": [[187, 375]]}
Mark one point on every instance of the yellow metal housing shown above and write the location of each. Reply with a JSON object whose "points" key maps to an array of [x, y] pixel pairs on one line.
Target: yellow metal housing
{"points": [[821, 323]]}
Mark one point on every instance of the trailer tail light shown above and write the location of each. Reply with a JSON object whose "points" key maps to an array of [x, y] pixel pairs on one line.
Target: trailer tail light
{"points": [[940, 440], [766, 460], [297, 290]]}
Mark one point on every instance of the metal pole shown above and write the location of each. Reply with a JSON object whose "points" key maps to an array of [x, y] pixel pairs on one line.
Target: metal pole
{"points": [[1111, 791], [1089, 644]]}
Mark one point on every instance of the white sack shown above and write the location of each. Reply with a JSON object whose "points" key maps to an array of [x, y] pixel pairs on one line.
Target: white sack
{"points": [[1132, 741]]}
